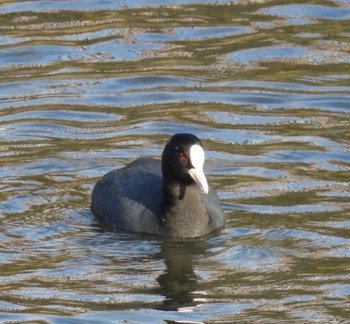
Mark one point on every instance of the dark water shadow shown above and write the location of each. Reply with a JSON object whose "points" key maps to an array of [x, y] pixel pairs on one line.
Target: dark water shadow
{"points": [[179, 281]]}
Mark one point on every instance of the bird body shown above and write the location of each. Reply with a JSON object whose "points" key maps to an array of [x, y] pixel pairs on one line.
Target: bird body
{"points": [[160, 197]]}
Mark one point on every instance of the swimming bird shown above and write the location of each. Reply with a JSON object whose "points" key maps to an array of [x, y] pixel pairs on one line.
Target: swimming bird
{"points": [[170, 197]]}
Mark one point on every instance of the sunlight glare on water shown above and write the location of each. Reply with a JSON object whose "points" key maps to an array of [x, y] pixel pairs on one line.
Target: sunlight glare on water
{"points": [[88, 86]]}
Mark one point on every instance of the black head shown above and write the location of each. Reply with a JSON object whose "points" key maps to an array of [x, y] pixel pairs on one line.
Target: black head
{"points": [[182, 161]]}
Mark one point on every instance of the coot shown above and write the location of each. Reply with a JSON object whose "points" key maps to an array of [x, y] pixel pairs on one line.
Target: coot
{"points": [[170, 197]]}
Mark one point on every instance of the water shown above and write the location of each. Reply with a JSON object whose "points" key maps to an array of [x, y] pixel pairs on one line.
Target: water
{"points": [[88, 86]]}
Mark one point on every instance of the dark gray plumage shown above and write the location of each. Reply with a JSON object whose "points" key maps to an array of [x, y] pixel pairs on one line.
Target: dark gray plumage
{"points": [[161, 197]]}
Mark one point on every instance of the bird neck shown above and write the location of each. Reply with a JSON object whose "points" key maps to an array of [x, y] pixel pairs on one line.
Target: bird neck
{"points": [[184, 210], [173, 191]]}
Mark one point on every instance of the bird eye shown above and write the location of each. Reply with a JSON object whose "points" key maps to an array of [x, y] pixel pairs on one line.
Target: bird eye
{"points": [[182, 156]]}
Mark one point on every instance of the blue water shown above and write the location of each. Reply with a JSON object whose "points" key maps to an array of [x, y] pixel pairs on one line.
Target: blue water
{"points": [[88, 86]]}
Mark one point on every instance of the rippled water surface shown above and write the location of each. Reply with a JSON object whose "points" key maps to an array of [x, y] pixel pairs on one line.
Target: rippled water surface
{"points": [[88, 86]]}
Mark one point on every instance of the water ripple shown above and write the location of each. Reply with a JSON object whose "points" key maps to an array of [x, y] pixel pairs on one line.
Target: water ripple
{"points": [[89, 86]]}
